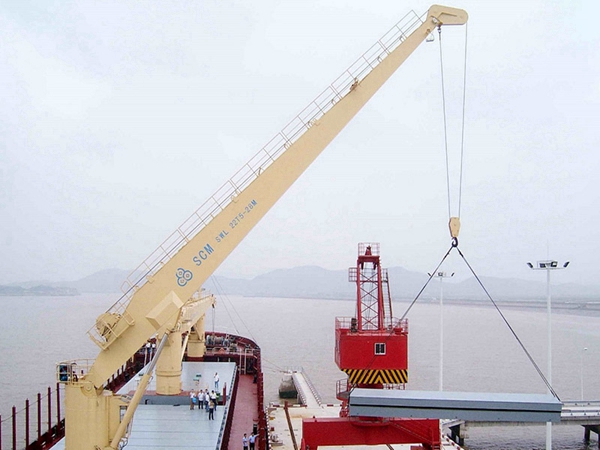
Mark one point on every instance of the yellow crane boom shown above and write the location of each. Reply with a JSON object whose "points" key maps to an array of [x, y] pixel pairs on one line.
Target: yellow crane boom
{"points": [[164, 282]]}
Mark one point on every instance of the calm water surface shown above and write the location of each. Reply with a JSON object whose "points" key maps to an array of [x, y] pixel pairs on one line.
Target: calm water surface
{"points": [[480, 354]]}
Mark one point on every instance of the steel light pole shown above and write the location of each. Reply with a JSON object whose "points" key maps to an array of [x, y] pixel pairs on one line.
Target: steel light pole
{"points": [[441, 276], [548, 266], [581, 370]]}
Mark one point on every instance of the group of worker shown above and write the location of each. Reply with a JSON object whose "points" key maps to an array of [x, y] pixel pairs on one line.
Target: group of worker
{"points": [[205, 401], [249, 440]]}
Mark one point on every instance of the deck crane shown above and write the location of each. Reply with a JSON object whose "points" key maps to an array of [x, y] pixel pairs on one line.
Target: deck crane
{"points": [[169, 278]]}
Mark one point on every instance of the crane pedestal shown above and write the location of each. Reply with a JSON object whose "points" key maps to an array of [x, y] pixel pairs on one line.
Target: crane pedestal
{"points": [[168, 367], [196, 346], [91, 416]]}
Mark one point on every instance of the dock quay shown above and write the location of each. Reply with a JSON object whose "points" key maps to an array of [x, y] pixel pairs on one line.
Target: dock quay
{"points": [[585, 413], [285, 421]]}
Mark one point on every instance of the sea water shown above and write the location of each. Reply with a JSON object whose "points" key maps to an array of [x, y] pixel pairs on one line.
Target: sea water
{"points": [[480, 352]]}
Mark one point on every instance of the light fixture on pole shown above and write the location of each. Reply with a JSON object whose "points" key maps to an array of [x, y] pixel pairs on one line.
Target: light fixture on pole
{"points": [[548, 265], [581, 370], [441, 276]]}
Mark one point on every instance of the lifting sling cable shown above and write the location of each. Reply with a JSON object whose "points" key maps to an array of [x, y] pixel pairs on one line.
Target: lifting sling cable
{"points": [[426, 283], [462, 138], [539, 371], [445, 123], [535, 365], [455, 240], [227, 300]]}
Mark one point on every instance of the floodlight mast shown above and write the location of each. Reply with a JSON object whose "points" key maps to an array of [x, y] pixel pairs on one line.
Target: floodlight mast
{"points": [[548, 265], [581, 370], [440, 275]]}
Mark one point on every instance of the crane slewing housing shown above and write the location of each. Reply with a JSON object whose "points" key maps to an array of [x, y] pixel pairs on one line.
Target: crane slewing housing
{"points": [[172, 274]]}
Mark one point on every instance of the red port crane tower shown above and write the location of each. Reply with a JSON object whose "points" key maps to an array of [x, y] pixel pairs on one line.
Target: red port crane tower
{"points": [[372, 349]]}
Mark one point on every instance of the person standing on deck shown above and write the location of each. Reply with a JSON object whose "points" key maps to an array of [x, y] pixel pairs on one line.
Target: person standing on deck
{"points": [[204, 401], [252, 440], [217, 381], [213, 398], [245, 442], [193, 399], [211, 410]]}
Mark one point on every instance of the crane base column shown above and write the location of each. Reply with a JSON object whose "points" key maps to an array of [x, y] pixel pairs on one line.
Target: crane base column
{"points": [[168, 367], [91, 416]]}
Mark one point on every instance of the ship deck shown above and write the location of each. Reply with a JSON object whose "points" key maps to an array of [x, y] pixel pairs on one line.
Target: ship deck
{"points": [[164, 422]]}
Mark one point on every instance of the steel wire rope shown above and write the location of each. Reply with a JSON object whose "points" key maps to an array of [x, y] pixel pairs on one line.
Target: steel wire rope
{"points": [[274, 367], [455, 240], [31, 403], [213, 320], [225, 296], [514, 333], [445, 122], [462, 137], [427, 282], [222, 293]]}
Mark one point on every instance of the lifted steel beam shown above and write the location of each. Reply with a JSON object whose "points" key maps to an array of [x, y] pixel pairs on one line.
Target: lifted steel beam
{"points": [[455, 405]]}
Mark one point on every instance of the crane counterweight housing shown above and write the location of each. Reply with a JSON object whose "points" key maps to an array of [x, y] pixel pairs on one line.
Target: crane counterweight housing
{"points": [[166, 280]]}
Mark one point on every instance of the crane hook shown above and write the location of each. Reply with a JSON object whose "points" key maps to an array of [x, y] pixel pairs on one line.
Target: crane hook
{"points": [[454, 226]]}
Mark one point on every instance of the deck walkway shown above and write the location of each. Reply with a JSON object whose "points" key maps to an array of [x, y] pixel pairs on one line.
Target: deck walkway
{"points": [[308, 397], [245, 411], [172, 424], [165, 426]]}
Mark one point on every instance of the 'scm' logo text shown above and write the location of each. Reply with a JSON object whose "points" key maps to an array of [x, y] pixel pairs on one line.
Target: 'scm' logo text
{"points": [[183, 276]]}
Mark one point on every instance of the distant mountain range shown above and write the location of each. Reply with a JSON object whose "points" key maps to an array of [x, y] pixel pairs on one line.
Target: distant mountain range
{"points": [[38, 290], [316, 282], [105, 281]]}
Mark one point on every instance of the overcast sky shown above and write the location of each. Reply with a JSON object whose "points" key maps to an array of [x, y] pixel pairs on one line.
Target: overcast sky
{"points": [[119, 118]]}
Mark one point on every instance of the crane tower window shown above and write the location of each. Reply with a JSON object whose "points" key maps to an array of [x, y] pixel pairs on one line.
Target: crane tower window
{"points": [[380, 348]]}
